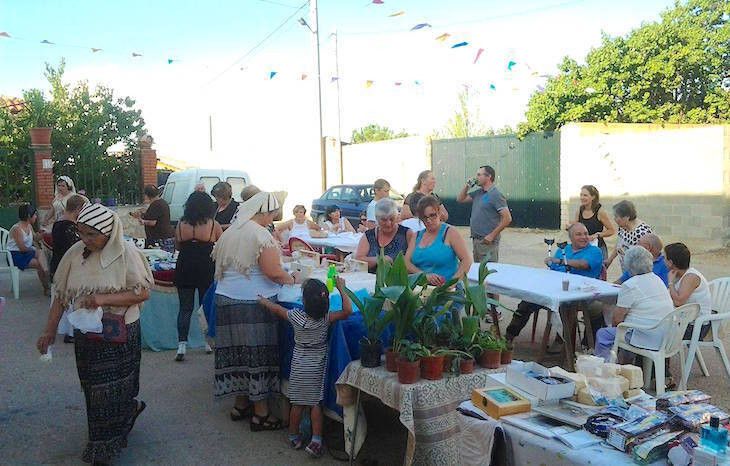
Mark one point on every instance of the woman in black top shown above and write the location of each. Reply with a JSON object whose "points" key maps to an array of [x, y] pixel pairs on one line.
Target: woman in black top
{"points": [[225, 206], [388, 235], [195, 236], [597, 221]]}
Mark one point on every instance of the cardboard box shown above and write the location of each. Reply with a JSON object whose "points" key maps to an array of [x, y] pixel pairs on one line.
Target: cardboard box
{"points": [[499, 401], [518, 377]]}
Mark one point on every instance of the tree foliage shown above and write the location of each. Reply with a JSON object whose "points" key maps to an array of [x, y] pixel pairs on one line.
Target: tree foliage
{"points": [[668, 71], [374, 132], [86, 125], [466, 121]]}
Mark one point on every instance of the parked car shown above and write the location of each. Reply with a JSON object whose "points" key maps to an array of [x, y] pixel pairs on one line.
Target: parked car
{"points": [[350, 198], [181, 184]]}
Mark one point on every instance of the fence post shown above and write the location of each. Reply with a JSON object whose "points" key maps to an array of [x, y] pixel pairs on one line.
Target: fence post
{"points": [[43, 168], [148, 161]]}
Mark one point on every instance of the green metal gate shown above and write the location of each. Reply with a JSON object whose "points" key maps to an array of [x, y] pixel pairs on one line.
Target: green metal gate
{"points": [[528, 174]]}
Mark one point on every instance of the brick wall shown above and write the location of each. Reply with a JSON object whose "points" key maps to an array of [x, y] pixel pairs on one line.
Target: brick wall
{"points": [[148, 162], [43, 177]]}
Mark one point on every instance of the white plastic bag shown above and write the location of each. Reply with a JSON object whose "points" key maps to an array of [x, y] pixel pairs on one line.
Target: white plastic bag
{"points": [[87, 320]]}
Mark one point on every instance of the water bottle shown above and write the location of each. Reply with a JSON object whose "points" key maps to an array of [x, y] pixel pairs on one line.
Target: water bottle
{"points": [[331, 276]]}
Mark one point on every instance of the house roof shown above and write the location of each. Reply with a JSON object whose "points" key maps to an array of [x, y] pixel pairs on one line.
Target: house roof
{"points": [[12, 104]]}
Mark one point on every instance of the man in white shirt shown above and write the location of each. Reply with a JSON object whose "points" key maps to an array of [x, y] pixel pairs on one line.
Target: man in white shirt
{"points": [[382, 190]]}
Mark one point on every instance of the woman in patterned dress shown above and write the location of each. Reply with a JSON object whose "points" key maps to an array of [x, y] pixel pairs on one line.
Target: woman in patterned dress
{"points": [[630, 229]]}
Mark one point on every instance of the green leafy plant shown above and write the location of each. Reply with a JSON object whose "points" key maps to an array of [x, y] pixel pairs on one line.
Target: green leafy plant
{"points": [[412, 351], [40, 113], [477, 302], [373, 316], [488, 342]]}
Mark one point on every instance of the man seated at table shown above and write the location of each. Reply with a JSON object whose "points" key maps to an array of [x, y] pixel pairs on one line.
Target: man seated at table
{"points": [[654, 245], [581, 257]]}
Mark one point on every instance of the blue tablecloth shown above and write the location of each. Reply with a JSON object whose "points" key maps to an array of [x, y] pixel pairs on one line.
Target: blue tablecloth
{"points": [[159, 322], [344, 342]]}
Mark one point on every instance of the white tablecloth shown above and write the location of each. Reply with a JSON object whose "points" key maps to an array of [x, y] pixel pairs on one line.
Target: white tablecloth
{"points": [[353, 280], [345, 242], [544, 286]]}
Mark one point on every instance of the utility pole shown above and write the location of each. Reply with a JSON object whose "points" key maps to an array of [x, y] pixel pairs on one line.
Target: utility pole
{"points": [[322, 154], [339, 107]]}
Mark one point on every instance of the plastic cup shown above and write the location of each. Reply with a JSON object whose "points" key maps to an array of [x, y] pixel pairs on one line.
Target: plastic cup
{"points": [[566, 284]]}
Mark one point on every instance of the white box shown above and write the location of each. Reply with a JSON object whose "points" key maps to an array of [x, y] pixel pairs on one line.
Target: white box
{"points": [[535, 387]]}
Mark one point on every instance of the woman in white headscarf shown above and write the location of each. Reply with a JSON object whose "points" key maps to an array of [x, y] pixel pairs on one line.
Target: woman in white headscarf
{"points": [[248, 265], [103, 270], [65, 188]]}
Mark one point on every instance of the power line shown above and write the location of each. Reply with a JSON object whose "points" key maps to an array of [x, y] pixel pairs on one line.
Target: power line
{"points": [[259, 44]]}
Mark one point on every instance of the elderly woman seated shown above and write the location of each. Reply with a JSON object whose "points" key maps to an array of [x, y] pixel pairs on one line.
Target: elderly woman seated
{"points": [[387, 235], [643, 300]]}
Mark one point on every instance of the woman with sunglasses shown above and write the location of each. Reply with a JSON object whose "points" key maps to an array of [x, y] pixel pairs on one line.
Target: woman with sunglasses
{"points": [[439, 251]]}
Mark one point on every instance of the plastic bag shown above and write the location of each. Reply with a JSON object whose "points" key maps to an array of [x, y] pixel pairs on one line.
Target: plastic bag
{"points": [[87, 320]]}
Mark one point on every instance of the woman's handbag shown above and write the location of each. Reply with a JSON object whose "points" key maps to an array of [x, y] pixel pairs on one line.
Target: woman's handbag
{"points": [[113, 329]]}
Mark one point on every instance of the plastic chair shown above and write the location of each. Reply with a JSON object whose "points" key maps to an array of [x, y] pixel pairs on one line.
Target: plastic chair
{"points": [[296, 244], [720, 289], [675, 324], [14, 271]]}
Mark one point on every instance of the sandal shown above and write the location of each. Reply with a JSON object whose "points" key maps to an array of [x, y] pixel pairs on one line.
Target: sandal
{"points": [[264, 423], [141, 405], [314, 449], [239, 414]]}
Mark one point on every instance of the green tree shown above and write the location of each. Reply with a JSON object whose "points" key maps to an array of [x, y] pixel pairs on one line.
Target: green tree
{"points": [[374, 132], [466, 121], [667, 71]]}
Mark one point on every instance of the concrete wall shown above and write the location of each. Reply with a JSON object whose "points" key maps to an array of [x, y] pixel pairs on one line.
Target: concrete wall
{"points": [[677, 175], [398, 160]]}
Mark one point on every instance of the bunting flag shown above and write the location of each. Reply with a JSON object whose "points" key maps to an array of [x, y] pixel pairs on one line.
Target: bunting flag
{"points": [[540, 87], [397, 13], [369, 84], [4, 34], [420, 26], [460, 44], [48, 42], [333, 79], [479, 54], [94, 50], [170, 61], [511, 65], [378, 2], [443, 37], [303, 77], [398, 83], [535, 73], [417, 82], [135, 54], [492, 87], [272, 74]]}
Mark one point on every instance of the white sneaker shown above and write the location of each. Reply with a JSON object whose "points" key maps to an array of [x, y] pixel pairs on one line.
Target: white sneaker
{"points": [[181, 347], [208, 349]]}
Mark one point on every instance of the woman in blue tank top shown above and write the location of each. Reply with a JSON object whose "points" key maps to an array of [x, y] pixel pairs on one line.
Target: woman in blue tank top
{"points": [[439, 250]]}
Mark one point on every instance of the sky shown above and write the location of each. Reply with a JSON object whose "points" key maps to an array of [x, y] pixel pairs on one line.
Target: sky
{"points": [[214, 82]]}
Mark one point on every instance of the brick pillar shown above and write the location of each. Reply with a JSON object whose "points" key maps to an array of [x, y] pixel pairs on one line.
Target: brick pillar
{"points": [[43, 168], [148, 161]]}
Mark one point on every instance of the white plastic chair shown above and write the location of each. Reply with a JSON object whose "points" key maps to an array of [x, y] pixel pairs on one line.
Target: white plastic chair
{"points": [[720, 289], [674, 324], [14, 271]]}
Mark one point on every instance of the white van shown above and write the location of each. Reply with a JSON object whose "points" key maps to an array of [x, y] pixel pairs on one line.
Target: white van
{"points": [[181, 184]]}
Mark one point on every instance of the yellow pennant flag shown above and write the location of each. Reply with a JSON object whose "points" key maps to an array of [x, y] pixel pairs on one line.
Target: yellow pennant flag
{"points": [[369, 84], [397, 13], [443, 37]]}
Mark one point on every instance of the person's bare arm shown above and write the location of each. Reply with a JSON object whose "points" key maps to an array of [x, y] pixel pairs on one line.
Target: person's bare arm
{"points": [[283, 226], [121, 299], [313, 226], [276, 309], [619, 314], [463, 195], [462, 252], [49, 333], [270, 264], [443, 213], [217, 230], [505, 218], [405, 212], [689, 285], [17, 233], [608, 228], [346, 303], [361, 253], [348, 226]]}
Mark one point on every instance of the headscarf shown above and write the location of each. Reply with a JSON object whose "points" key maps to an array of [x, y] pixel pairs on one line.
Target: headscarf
{"points": [[69, 183], [241, 244], [119, 266]]}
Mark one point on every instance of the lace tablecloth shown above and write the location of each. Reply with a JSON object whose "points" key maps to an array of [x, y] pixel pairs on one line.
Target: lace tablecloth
{"points": [[427, 408]]}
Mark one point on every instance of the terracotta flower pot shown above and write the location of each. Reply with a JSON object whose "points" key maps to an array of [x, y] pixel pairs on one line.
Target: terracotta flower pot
{"points": [[490, 359], [432, 367], [506, 357], [40, 136], [408, 372], [370, 354], [391, 361], [448, 363], [466, 366]]}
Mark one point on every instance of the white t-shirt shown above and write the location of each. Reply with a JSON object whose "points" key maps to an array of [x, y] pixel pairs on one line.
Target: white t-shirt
{"points": [[648, 301], [371, 211]]}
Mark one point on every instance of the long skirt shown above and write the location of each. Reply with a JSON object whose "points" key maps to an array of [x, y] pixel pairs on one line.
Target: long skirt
{"points": [[109, 376], [246, 350]]}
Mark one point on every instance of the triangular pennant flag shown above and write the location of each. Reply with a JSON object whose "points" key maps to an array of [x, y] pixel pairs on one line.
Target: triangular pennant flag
{"points": [[378, 2], [44, 41], [417, 82], [479, 54], [170, 61], [460, 44], [333, 79], [492, 87], [443, 36], [135, 54], [4, 34], [398, 83], [535, 73], [94, 50], [420, 26], [272, 74], [303, 77], [397, 13], [511, 65], [369, 83]]}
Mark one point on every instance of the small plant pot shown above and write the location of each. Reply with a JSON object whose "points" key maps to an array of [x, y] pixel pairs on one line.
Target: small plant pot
{"points": [[408, 372], [40, 136], [370, 354], [448, 363], [466, 366], [490, 359], [432, 367], [505, 357], [391, 361]]}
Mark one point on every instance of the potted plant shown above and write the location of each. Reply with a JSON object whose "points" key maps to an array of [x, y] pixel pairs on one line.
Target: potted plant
{"points": [[375, 320], [506, 355], [409, 362], [491, 350], [40, 117], [478, 304]]}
